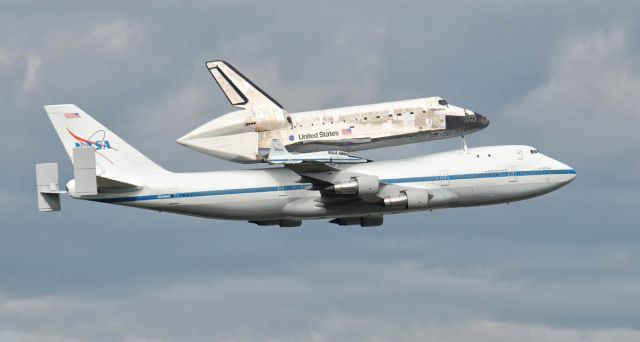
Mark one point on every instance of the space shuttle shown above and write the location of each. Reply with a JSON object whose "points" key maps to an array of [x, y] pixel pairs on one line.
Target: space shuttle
{"points": [[246, 135]]}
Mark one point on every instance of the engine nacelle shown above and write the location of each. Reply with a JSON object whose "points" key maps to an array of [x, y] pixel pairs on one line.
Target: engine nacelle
{"points": [[359, 185], [364, 221], [280, 223], [372, 221], [409, 199]]}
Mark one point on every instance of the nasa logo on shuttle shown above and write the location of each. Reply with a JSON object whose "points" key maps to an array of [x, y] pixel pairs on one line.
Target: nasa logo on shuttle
{"points": [[292, 138], [101, 143]]}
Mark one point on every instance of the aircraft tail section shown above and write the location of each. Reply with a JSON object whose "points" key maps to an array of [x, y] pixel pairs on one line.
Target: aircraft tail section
{"points": [[238, 89], [113, 156]]}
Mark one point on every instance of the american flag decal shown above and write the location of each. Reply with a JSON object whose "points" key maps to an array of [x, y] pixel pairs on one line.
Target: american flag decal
{"points": [[346, 131], [71, 115]]}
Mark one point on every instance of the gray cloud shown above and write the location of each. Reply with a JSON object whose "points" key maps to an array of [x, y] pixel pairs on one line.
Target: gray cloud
{"points": [[563, 77], [589, 97], [309, 305]]}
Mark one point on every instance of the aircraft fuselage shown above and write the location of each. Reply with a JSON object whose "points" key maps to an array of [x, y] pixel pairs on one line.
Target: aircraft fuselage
{"points": [[478, 176]]}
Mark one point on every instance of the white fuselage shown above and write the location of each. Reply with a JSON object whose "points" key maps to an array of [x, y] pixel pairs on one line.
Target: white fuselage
{"points": [[479, 176]]}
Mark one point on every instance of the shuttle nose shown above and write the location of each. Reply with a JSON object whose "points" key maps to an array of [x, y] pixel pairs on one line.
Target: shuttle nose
{"points": [[481, 121], [475, 122]]}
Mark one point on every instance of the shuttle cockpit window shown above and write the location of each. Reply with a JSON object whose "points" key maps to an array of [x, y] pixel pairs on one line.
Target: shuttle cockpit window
{"points": [[534, 151], [443, 102]]}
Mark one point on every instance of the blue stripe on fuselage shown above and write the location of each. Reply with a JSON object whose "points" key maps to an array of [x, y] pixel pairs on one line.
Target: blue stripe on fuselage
{"points": [[304, 186]]}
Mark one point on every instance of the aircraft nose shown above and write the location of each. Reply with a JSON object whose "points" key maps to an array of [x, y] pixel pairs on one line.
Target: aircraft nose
{"points": [[571, 175], [567, 175], [475, 122], [481, 120]]}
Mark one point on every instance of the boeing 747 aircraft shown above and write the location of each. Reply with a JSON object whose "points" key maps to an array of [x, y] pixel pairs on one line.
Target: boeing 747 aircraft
{"points": [[108, 170]]}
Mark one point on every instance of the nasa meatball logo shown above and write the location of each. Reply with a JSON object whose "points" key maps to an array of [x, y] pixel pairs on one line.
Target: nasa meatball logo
{"points": [[97, 140], [291, 137]]}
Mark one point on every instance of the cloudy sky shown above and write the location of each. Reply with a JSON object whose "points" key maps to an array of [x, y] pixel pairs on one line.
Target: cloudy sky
{"points": [[561, 76]]}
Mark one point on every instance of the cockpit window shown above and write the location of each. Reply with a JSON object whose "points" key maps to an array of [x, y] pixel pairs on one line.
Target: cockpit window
{"points": [[534, 151], [442, 102]]}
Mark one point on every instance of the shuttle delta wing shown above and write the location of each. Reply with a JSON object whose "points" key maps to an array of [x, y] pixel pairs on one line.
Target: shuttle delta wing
{"points": [[238, 89], [278, 154]]}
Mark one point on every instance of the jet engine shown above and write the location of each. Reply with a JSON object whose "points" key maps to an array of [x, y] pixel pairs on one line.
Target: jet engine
{"points": [[359, 185], [409, 199], [364, 221]]}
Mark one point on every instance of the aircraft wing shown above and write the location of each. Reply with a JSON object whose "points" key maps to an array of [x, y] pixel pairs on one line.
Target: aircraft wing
{"points": [[340, 186], [238, 89], [311, 167]]}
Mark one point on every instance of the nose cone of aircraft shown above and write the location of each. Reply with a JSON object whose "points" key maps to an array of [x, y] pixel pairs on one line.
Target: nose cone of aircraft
{"points": [[570, 174], [481, 121], [469, 122], [555, 175], [475, 122], [565, 174]]}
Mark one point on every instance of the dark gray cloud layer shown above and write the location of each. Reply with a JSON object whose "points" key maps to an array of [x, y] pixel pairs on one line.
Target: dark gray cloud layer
{"points": [[560, 76]]}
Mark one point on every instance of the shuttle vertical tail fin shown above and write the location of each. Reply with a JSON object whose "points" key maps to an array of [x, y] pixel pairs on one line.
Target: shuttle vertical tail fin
{"points": [[238, 89]]}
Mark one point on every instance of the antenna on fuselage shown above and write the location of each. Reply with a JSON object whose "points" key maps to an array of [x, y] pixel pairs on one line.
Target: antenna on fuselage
{"points": [[464, 144]]}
